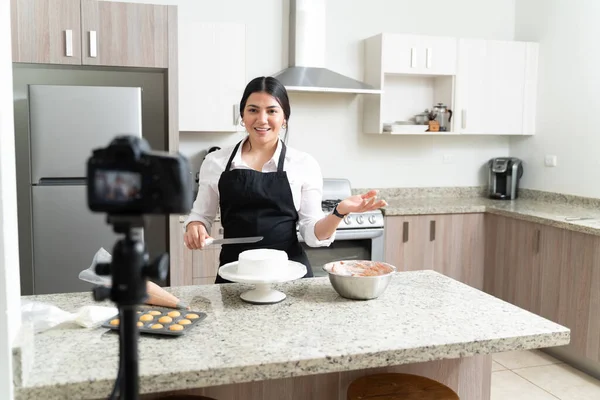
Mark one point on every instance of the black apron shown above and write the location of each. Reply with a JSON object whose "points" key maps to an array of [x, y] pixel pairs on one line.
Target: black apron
{"points": [[254, 203]]}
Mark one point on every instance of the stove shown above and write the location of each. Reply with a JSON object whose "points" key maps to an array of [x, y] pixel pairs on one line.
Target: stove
{"points": [[334, 191], [359, 236]]}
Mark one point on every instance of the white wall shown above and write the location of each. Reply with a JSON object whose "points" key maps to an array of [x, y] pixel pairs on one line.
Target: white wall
{"points": [[328, 126], [9, 248], [569, 83]]}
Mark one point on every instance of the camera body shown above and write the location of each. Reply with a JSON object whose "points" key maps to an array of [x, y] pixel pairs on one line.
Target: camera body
{"points": [[127, 178]]}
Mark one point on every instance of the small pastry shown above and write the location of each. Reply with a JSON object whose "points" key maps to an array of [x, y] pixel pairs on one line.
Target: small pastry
{"points": [[140, 324], [156, 326], [146, 317], [184, 322], [114, 322], [176, 327], [154, 312], [165, 320], [192, 316], [174, 314]]}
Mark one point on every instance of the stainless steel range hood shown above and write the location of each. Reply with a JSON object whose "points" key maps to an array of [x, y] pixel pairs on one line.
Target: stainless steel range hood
{"points": [[307, 72]]}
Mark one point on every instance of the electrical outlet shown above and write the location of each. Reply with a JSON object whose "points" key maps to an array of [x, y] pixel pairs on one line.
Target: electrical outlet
{"points": [[448, 159], [550, 161]]}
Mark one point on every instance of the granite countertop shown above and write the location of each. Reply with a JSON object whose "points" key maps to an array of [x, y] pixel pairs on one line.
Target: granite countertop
{"points": [[422, 316], [553, 213]]}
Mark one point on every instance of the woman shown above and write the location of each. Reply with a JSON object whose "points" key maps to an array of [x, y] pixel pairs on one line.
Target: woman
{"points": [[265, 188]]}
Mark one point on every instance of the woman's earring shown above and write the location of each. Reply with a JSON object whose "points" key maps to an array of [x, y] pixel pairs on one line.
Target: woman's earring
{"points": [[242, 123], [284, 126]]}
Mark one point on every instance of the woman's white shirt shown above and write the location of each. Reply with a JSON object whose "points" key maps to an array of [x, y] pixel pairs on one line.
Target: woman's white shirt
{"points": [[304, 175]]}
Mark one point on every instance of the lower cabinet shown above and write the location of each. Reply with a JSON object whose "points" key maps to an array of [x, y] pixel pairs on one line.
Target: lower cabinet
{"points": [[452, 244], [198, 267], [549, 271]]}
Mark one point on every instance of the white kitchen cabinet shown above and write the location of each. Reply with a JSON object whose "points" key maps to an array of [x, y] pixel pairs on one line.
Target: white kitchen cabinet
{"points": [[489, 85], [212, 75], [496, 87], [417, 54], [414, 73]]}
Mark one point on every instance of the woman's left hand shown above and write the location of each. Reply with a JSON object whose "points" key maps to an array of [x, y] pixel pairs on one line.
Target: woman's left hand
{"points": [[361, 203]]}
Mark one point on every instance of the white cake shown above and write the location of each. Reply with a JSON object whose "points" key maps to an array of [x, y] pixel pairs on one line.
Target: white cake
{"points": [[262, 262]]}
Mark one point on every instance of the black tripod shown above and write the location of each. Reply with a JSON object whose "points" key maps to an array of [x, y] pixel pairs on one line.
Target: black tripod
{"points": [[130, 270]]}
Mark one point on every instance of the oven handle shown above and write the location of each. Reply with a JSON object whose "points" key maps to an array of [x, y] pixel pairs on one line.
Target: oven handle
{"points": [[358, 234]]}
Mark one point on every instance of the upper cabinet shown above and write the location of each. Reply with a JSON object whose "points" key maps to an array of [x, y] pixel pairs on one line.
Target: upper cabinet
{"points": [[89, 32], [413, 54], [212, 75], [490, 86], [496, 87], [124, 34], [46, 31]]}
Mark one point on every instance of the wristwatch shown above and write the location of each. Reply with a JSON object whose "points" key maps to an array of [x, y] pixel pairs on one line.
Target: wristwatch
{"points": [[336, 213]]}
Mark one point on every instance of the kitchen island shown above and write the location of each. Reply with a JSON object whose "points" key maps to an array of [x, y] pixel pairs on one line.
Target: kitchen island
{"points": [[310, 346]]}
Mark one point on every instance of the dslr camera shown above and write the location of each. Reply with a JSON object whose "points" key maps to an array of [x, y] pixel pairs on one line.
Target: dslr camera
{"points": [[127, 178]]}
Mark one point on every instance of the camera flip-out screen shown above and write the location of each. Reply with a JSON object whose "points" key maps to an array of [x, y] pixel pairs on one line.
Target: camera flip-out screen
{"points": [[114, 186]]}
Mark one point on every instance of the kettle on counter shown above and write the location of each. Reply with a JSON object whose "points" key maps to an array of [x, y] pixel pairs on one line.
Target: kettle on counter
{"points": [[442, 114]]}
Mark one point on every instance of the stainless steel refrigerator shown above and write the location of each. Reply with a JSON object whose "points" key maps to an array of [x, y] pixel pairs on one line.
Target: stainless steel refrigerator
{"points": [[66, 123]]}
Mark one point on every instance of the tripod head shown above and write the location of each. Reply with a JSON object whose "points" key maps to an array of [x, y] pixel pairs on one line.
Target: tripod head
{"points": [[130, 267]]}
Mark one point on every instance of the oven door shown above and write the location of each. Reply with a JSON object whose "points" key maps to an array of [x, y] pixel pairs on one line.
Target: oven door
{"points": [[359, 244]]}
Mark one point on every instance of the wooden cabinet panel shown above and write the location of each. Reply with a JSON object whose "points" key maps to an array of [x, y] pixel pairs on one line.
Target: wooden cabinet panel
{"points": [[579, 294], [458, 247], [46, 31], [407, 244], [450, 244], [124, 34], [512, 268], [549, 271]]}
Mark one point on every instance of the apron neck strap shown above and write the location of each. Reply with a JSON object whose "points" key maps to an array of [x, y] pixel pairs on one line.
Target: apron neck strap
{"points": [[237, 146], [279, 163], [281, 158]]}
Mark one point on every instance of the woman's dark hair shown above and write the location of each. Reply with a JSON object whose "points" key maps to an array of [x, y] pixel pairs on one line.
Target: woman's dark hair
{"points": [[271, 86]]}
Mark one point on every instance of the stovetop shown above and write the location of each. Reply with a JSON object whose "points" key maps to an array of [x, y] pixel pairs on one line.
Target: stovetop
{"points": [[334, 190]]}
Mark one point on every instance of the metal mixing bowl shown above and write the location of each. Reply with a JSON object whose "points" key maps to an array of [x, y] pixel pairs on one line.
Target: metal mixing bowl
{"points": [[359, 287]]}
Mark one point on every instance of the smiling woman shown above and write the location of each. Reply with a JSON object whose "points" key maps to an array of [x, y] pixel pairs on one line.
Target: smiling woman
{"points": [[264, 188]]}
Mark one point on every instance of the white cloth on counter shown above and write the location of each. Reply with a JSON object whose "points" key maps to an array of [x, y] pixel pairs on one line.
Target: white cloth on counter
{"points": [[304, 175], [44, 316]]}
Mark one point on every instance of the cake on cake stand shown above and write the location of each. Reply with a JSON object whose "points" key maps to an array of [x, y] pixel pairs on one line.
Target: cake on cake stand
{"points": [[263, 293]]}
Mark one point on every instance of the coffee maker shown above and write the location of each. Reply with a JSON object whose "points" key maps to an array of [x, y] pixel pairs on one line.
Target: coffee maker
{"points": [[504, 176]]}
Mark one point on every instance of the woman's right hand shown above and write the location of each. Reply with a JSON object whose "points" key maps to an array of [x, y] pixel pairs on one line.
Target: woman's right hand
{"points": [[195, 235]]}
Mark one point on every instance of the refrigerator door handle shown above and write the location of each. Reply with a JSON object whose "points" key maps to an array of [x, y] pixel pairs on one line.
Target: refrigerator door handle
{"points": [[62, 182]]}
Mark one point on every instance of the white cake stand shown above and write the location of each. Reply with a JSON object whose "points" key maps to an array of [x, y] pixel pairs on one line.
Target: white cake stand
{"points": [[263, 293]]}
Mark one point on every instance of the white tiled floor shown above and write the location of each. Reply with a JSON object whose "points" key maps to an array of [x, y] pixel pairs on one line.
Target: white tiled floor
{"points": [[534, 375]]}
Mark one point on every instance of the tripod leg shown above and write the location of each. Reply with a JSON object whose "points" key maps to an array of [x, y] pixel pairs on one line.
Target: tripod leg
{"points": [[129, 353]]}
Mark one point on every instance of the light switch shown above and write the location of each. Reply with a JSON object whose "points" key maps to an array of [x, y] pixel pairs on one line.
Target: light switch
{"points": [[550, 161]]}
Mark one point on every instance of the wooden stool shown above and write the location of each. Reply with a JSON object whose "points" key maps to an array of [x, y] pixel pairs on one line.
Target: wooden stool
{"points": [[396, 386]]}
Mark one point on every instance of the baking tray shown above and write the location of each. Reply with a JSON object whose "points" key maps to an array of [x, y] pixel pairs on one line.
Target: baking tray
{"points": [[151, 320]]}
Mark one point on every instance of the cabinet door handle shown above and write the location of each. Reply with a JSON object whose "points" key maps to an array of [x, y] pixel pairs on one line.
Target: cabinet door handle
{"points": [[236, 114], [93, 48], [431, 231], [405, 232], [428, 58], [463, 121], [69, 43], [220, 231], [413, 57], [538, 234]]}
